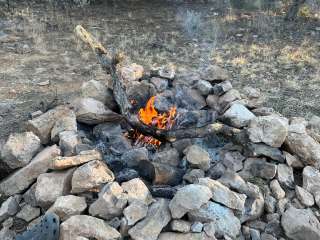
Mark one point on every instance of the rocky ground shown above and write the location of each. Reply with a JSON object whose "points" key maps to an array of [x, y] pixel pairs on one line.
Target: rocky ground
{"points": [[257, 180], [41, 61]]}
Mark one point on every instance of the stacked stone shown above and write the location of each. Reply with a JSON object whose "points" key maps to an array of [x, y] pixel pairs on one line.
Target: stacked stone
{"points": [[102, 186]]}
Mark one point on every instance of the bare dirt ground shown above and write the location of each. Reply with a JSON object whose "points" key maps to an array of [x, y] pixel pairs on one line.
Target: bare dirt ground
{"points": [[40, 59]]}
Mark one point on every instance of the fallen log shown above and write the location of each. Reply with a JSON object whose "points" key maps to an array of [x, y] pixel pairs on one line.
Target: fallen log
{"points": [[110, 63]]}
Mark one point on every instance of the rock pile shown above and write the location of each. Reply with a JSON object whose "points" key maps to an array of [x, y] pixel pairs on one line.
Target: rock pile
{"points": [[77, 162]]}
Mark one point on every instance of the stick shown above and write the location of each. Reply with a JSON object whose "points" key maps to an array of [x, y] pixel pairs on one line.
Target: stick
{"points": [[109, 64]]}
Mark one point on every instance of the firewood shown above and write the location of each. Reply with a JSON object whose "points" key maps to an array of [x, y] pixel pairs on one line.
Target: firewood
{"points": [[110, 63], [67, 162]]}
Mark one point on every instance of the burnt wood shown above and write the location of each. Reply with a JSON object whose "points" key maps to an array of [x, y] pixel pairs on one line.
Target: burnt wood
{"points": [[110, 64]]}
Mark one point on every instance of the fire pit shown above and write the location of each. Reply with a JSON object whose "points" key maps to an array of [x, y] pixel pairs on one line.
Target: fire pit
{"points": [[159, 155]]}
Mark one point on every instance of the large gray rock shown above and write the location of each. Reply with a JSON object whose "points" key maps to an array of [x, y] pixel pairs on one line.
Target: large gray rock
{"points": [[42, 125], [111, 202], [68, 142], [19, 149], [238, 116], [210, 229], [165, 174], [135, 212], [168, 156], [233, 181], [91, 111], [267, 236], [196, 227], [293, 161], [213, 102], [180, 226], [24, 177], [302, 145], [193, 175], [188, 198], [87, 227], [98, 91], [258, 167], [9, 208], [214, 73], [137, 190], [135, 156], [270, 204], [183, 236], [67, 206], [304, 196], [160, 84], [52, 185], [157, 218], [91, 176], [263, 150], [314, 128], [300, 224], [167, 71], [204, 87], [28, 213], [221, 88], [254, 202], [67, 122], [224, 195], [188, 98], [198, 157], [277, 190], [317, 198], [254, 206], [271, 130], [232, 160], [311, 179], [131, 72], [7, 234], [285, 176], [225, 221], [228, 98]]}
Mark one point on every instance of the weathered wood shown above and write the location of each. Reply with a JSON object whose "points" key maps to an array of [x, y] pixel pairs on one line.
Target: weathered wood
{"points": [[86, 37], [173, 135], [59, 163], [109, 64]]}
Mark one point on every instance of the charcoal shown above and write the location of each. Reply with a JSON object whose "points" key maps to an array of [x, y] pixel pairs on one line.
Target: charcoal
{"points": [[126, 175], [163, 192]]}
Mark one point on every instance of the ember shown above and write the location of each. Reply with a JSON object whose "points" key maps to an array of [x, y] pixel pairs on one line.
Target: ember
{"points": [[151, 117]]}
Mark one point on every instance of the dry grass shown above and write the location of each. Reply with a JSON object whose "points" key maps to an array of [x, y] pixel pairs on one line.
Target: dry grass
{"points": [[239, 61], [304, 54]]}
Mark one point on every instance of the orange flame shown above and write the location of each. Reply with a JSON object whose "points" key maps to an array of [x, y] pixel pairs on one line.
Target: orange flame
{"points": [[150, 116]]}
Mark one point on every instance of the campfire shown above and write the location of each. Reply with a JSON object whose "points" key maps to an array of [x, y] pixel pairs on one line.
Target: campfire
{"points": [[151, 117], [212, 147]]}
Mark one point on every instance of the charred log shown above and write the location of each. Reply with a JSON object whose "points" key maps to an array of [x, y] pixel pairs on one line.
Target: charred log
{"points": [[110, 64]]}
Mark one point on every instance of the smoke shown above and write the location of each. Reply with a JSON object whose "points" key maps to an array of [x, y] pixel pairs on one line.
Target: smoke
{"points": [[190, 21], [202, 33]]}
